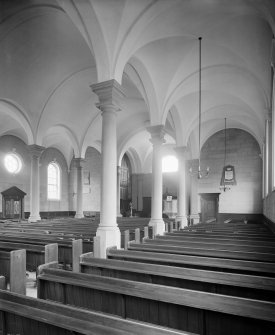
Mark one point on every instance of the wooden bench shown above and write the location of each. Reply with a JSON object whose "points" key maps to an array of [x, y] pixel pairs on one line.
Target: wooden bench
{"points": [[207, 263], [65, 246], [35, 254], [202, 244], [247, 286], [188, 310], [225, 235], [29, 316], [13, 268], [209, 239], [210, 252]]}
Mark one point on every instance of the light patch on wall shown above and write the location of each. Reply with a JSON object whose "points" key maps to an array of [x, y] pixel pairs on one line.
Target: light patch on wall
{"points": [[169, 164], [13, 163]]}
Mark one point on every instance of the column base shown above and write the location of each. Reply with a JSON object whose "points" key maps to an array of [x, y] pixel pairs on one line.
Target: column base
{"points": [[109, 237], [159, 226], [183, 221], [195, 218], [34, 218], [79, 216], [119, 215]]}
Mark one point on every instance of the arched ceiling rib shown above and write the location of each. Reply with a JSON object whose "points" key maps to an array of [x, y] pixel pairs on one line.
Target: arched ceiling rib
{"points": [[52, 51]]}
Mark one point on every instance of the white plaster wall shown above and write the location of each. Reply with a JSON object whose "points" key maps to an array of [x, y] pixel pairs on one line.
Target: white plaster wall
{"points": [[243, 153]]}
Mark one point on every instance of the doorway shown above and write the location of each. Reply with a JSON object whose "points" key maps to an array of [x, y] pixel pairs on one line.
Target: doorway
{"points": [[209, 206]]}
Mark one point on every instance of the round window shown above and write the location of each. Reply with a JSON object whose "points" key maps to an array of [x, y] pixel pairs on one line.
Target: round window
{"points": [[13, 163]]}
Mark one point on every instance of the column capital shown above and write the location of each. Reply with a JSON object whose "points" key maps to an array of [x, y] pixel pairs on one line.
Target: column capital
{"points": [[79, 162], [182, 152], [36, 150], [157, 134], [110, 94]]}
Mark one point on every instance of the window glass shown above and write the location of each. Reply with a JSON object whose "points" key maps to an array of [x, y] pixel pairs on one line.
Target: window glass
{"points": [[169, 164], [13, 163], [53, 181]]}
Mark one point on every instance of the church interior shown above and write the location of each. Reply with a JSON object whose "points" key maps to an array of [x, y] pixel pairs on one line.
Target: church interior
{"points": [[137, 154]]}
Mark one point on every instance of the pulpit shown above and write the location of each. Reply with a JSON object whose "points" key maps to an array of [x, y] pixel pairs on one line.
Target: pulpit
{"points": [[13, 203]]}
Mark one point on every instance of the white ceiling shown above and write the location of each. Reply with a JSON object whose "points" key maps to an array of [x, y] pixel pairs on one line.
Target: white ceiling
{"points": [[52, 51]]}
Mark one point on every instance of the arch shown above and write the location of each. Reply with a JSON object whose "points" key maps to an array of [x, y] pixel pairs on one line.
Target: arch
{"points": [[16, 112], [184, 85]]}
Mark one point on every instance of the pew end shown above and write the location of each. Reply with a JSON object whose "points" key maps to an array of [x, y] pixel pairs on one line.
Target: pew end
{"points": [[3, 285]]}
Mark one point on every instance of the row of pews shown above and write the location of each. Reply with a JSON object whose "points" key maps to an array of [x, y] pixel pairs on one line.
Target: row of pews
{"points": [[181, 280], [24, 315], [205, 279], [43, 240]]}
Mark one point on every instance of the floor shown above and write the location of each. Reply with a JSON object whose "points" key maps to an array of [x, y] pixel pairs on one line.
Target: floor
{"points": [[31, 288]]}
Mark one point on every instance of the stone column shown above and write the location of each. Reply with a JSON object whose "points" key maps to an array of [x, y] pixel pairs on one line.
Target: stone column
{"points": [[109, 94], [140, 191], [194, 201], [157, 139], [79, 187], [35, 151], [118, 191], [181, 203]]}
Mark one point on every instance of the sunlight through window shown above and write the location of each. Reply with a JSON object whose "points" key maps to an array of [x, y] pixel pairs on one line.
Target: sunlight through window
{"points": [[169, 164]]}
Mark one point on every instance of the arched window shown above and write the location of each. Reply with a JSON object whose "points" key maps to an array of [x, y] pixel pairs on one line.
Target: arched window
{"points": [[13, 163], [169, 164], [53, 181]]}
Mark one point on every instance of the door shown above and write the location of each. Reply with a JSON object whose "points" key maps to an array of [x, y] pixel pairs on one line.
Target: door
{"points": [[209, 206], [9, 208]]}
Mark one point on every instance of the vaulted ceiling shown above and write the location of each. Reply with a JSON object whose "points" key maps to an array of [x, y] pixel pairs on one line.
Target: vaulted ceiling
{"points": [[53, 50]]}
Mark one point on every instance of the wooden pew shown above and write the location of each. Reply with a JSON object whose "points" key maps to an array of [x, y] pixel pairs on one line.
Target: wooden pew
{"points": [[247, 286], [173, 307], [207, 263], [221, 253], [29, 316], [209, 239], [225, 235], [13, 268], [201, 244], [65, 247], [35, 254]]}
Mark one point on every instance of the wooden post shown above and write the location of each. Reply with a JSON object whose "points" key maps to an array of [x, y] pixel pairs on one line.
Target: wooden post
{"points": [[51, 252], [146, 232], [2, 283], [137, 235], [126, 239], [154, 227], [18, 271], [171, 226], [97, 246], [77, 251]]}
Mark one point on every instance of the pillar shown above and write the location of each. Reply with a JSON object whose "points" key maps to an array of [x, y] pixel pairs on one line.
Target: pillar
{"points": [[181, 203], [140, 191], [194, 198], [79, 187], [109, 94], [35, 151], [118, 191], [157, 139]]}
